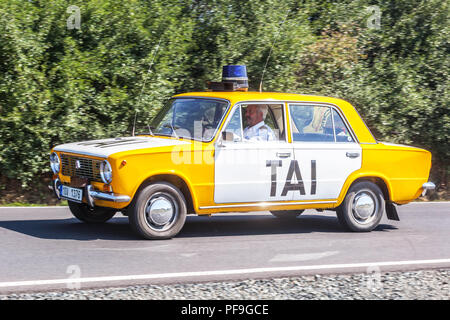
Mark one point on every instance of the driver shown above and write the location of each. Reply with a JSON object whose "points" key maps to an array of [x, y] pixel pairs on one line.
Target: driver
{"points": [[257, 130]]}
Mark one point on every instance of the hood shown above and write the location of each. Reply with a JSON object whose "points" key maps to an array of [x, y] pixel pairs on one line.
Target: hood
{"points": [[106, 147]]}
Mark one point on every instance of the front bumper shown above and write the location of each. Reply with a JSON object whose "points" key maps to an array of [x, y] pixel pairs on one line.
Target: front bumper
{"points": [[428, 186], [90, 194], [106, 196]]}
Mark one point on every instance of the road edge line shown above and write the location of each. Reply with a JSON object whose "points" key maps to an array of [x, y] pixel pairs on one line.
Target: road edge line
{"points": [[194, 274]]}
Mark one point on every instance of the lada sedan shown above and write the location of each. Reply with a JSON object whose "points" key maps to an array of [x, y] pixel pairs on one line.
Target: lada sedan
{"points": [[229, 151]]}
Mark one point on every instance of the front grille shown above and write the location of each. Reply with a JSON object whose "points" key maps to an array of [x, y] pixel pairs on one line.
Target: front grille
{"points": [[88, 168]]}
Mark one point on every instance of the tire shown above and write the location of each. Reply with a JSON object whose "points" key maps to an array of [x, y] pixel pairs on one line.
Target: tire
{"points": [[84, 213], [158, 211], [362, 208], [287, 214]]}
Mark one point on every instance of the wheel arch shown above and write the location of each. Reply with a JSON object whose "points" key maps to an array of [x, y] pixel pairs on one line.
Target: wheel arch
{"points": [[379, 180], [175, 180]]}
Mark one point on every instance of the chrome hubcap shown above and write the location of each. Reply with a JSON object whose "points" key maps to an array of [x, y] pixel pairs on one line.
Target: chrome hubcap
{"points": [[364, 206], [161, 212]]}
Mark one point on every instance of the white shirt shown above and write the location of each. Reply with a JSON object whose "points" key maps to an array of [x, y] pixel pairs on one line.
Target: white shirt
{"points": [[259, 132]]}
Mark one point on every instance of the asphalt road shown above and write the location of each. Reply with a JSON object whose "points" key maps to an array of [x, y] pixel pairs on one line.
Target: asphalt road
{"points": [[46, 248]]}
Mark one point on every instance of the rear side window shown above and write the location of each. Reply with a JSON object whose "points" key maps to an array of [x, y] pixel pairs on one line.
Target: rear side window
{"points": [[311, 123], [340, 129]]}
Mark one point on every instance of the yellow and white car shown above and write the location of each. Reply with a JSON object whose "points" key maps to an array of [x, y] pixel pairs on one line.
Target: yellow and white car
{"points": [[197, 159]]}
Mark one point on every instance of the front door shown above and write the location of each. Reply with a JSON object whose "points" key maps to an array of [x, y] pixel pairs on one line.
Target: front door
{"points": [[252, 163]]}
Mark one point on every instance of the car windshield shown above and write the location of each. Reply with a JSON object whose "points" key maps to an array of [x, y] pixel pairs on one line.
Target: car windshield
{"points": [[193, 118]]}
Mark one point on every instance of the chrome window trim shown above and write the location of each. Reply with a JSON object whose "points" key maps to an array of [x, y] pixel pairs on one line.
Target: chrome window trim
{"points": [[231, 115], [332, 106], [288, 103], [334, 129], [218, 125], [240, 103], [347, 125]]}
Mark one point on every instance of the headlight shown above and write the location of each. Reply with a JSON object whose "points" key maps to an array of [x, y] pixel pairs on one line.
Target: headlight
{"points": [[105, 171], [54, 162]]}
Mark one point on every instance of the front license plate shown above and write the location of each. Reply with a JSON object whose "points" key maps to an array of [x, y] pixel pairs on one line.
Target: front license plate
{"points": [[71, 193]]}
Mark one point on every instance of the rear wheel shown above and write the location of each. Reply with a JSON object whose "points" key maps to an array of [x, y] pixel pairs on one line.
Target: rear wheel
{"points": [[158, 212], [362, 208], [287, 214], [84, 213]]}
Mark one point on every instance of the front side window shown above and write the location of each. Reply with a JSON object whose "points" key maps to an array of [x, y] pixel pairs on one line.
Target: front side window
{"points": [[234, 126], [195, 118], [257, 122]]}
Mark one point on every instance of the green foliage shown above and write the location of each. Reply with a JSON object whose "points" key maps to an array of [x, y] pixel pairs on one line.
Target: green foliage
{"points": [[59, 85], [243, 32], [397, 76]]}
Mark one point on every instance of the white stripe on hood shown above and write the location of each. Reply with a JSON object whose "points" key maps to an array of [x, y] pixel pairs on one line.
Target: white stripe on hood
{"points": [[106, 147]]}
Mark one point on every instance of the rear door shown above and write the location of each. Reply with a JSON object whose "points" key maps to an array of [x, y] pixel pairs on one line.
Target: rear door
{"points": [[325, 149]]}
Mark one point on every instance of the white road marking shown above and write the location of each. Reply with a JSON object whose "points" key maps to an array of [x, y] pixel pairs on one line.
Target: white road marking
{"points": [[302, 256], [220, 272]]}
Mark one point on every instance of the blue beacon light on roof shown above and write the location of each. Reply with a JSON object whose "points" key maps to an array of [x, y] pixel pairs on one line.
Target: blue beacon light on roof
{"points": [[234, 72], [234, 78]]}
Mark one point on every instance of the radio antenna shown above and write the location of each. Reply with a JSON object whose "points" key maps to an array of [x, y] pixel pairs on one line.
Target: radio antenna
{"points": [[270, 52], [143, 85]]}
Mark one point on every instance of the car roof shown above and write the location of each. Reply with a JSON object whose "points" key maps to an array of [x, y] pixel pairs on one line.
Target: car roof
{"points": [[361, 130], [236, 96]]}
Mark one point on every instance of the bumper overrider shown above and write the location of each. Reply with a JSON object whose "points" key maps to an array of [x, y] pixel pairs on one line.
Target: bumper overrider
{"points": [[90, 194], [428, 186]]}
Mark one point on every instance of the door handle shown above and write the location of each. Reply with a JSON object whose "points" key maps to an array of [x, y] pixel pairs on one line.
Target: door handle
{"points": [[283, 154], [352, 154]]}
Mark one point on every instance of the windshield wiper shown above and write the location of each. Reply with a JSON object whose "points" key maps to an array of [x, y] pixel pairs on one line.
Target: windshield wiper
{"points": [[150, 130], [169, 125]]}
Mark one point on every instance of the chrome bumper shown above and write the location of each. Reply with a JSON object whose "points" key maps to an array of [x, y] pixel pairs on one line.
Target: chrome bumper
{"points": [[92, 194], [107, 196], [428, 186]]}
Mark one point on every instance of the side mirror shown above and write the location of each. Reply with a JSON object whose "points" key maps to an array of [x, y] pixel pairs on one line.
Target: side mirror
{"points": [[227, 136]]}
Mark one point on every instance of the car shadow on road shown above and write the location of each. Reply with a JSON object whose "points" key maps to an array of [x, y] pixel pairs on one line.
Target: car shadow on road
{"points": [[72, 229], [263, 224], [195, 226]]}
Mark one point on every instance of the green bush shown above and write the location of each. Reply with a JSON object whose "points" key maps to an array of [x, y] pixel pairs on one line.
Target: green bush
{"points": [[60, 85]]}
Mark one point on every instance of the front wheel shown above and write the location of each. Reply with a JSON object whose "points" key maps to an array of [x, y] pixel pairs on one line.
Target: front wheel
{"points": [[362, 208], [158, 212], [84, 213]]}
